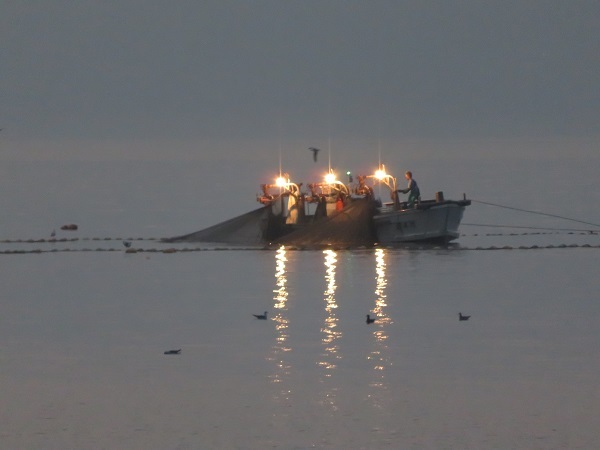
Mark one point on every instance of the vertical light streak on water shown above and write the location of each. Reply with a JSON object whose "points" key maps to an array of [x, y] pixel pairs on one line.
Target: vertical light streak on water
{"points": [[329, 331], [379, 355], [280, 348]]}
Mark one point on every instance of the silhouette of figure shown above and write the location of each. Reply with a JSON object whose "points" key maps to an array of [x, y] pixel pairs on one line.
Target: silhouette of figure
{"points": [[315, 151]]}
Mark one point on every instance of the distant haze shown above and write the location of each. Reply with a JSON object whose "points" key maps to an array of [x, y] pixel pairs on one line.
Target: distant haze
{"points": [[112, 74]]}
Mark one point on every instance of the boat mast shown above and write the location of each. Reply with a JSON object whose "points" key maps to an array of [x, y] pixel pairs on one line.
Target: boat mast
{"points": [[329, 151]]}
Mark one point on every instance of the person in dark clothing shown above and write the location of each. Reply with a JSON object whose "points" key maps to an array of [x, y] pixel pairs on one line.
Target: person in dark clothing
{"points": [[412, 189]]}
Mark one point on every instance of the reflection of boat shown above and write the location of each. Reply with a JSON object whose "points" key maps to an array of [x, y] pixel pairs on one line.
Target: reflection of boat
{"points": [[337, 215]]}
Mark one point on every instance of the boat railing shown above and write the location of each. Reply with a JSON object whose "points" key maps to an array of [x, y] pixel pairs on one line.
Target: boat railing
{"points": [[388, 207]]}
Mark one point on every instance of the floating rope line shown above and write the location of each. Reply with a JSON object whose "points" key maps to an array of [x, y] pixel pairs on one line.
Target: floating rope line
{"points": [[130, 250], [536, 212], [171, 250], [60, 240], [555, 230]]}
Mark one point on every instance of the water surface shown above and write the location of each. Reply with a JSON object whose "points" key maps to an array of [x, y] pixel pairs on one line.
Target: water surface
{"points": [[83, 331], [83, 337]]}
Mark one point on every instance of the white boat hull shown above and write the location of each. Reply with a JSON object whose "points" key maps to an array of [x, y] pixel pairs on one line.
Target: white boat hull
{"points": [[438, 222]]}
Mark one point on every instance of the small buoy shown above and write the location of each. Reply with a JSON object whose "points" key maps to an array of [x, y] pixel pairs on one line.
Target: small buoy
{"points": [[461, 317]]}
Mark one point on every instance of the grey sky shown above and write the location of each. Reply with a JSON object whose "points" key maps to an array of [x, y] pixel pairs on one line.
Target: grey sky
{"points": [[112, 70]]}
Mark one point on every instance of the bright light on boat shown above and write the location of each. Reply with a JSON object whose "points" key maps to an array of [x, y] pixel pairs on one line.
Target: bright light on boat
{"points": [[281, 182], [380, 174], [330, 178]]}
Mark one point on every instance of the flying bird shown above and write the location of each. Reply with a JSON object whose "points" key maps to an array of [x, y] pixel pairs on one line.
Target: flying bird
{"points": [[261, 316], [173, 352], [461, 317], [369, 320], [315, 151]]}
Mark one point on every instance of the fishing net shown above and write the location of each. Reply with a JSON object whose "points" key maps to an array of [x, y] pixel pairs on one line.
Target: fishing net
{"points": [[350, 227], [247, 229]]}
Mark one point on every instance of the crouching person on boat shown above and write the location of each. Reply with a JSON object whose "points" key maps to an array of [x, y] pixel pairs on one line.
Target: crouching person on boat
{"points": [[414, 195]]}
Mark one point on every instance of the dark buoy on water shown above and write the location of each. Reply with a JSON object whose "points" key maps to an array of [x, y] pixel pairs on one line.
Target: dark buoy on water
{"points": [[461, 317]]}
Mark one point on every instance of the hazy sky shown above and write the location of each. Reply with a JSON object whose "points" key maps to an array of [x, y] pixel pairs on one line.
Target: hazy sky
{"points": [[127, 70]]}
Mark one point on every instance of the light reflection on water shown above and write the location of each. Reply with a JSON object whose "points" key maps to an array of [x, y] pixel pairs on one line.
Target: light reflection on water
{"points": [[395, 386], [379, 356], [331, 335], [329, 331], [280, 348]]}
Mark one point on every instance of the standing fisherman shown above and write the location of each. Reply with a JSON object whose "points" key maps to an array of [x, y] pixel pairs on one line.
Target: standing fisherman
{"points": [[412, 189]]}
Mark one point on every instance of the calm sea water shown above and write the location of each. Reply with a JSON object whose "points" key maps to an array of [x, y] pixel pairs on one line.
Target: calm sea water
{"points": [[82, 333]]}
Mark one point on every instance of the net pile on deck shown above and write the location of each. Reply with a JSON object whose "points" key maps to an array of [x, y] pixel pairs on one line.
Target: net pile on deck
{"points": [[350, 227]]}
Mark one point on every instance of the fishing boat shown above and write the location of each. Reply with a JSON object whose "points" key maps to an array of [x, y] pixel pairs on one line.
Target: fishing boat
{"points": [[427, 221], [328, 215], [390, 223], [333, 214], [433, 221]]}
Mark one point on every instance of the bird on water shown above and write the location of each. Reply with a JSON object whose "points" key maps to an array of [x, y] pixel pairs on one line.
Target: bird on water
{"points": [[369, 320], [173, 352], [261, 316], [461, 317]]}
